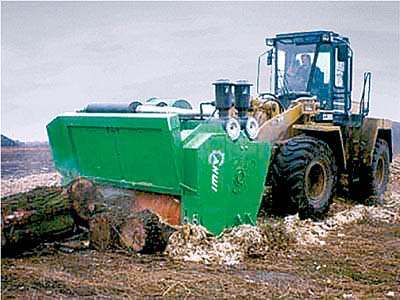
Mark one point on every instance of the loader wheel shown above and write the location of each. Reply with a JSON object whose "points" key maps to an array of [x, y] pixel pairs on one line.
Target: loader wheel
{"points": [[374, 178], [304, 172]]}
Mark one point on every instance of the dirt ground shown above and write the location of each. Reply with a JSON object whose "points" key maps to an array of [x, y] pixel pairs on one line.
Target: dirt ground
{"points": [[357, 260], [346, 267]]}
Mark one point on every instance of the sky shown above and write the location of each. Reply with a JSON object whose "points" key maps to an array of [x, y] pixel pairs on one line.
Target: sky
{"points": [[60, 56]]}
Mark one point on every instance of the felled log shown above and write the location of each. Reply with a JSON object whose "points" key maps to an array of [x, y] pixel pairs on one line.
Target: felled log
{"points": [[32, 217]]}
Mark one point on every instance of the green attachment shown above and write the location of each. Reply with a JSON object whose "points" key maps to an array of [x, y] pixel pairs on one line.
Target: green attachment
{"points": [[220, 182]]}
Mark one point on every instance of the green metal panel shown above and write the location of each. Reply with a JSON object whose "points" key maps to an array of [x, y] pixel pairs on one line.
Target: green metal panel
{"points": [[62, 148], [136, 151], [224, 179]]}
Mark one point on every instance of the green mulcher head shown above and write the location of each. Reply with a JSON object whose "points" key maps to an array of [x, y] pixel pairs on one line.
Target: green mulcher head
{"points": [[207, 164]]}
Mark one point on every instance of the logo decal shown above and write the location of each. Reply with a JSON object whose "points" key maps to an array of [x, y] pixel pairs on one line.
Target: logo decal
{"points": [[216, 160]]}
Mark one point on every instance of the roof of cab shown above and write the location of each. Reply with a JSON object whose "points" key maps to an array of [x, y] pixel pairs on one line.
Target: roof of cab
{"points": [[335, 35]]}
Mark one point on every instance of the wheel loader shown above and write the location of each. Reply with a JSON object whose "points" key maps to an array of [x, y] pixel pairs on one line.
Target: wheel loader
{"points": [[286, 151]]}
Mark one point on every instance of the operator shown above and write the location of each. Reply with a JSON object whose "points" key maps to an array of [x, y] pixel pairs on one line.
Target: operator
{"points": [[304, 70], [298, 75]]}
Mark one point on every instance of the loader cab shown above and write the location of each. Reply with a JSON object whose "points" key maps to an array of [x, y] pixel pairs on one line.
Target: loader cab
{"points": [[314, 64]]}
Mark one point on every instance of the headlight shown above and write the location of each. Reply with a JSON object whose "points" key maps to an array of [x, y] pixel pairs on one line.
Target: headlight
{"points": [[326, 37], [252, 128], [308, 107], [232, 127], [269, 41]]}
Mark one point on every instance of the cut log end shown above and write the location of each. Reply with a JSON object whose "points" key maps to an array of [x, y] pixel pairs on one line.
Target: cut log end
{"points": [[84, 196], [145, 232], [133, 234]]}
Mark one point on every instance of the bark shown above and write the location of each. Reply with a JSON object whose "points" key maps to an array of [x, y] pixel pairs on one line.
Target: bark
{"points": [[35, 216]]}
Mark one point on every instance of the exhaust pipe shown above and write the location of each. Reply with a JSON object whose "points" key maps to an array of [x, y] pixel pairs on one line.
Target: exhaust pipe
{"points": [[242, 104], [223, 97], [242, 97]]}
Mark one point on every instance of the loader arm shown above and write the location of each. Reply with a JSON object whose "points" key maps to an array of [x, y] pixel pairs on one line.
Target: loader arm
{"points": [[276, 128]]}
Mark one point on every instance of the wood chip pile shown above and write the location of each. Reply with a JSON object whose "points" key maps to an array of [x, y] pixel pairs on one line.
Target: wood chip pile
{"points": [[194, 243]]}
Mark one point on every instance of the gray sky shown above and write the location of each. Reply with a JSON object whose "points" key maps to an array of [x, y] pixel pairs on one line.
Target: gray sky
{"points": [[59, 56]]}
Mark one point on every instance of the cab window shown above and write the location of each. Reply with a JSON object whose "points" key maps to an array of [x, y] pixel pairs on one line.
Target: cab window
{"points": [[339, 70], [321, 78]]}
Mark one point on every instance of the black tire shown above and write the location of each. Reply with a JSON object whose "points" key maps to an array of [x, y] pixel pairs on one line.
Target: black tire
{"points": [[303, 178], [374, 178]]}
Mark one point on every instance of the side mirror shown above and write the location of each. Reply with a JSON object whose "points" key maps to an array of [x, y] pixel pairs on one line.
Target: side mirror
{"points": [[342, 53], [366, 93], [269, 57]]}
